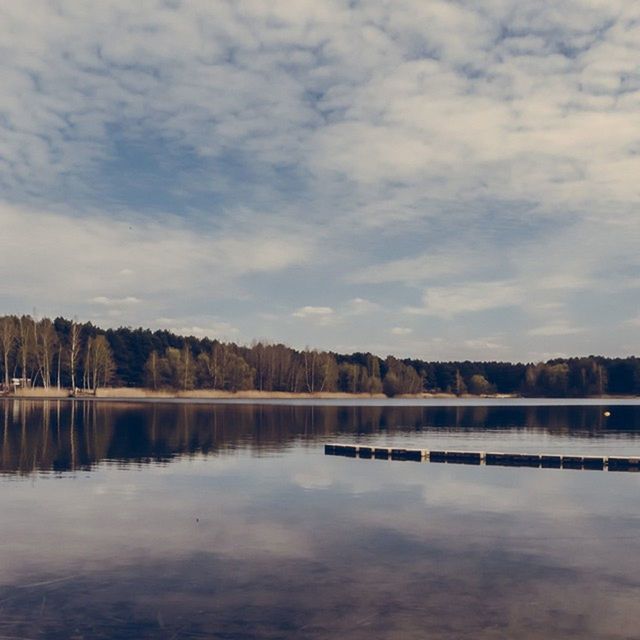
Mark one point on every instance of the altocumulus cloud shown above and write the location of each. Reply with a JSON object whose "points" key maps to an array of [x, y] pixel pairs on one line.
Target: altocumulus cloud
{"points": [[475, 167]]}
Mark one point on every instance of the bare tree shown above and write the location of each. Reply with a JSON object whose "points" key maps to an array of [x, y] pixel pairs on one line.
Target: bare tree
{"points": [[100, 363], [37, 371], [241, 374], [74, 347], [46, 340], [151, 368], [320, 371], [220, 357], [310, 369], [86, 369], [26, 347], [59, 363], [187, 371], [8, 335]]}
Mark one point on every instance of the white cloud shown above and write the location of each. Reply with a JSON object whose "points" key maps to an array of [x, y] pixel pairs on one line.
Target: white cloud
{"points": [[361, 306], [198, 326], [420, 268], [318, 316], [104, 300], [325, 314], [487, 155], [397, 96], [312, 312], [269, 317], [213, 330], [556, 328], [450, 301], [401, 331], [484, 344], [170, 262]]}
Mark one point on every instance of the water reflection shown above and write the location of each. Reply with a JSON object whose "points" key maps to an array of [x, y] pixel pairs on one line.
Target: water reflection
{"points": [[237, 526], [72, 435]]}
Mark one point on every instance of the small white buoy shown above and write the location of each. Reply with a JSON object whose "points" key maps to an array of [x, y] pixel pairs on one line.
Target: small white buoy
{"points": [[606, 414]]}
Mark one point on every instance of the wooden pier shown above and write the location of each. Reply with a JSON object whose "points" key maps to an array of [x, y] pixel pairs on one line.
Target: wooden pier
{"points": [[535, 460]]}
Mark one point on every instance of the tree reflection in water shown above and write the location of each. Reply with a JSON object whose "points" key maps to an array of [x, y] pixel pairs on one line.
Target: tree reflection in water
{"points": [[70, 435]]}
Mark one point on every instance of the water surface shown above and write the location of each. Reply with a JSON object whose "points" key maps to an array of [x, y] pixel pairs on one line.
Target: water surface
{"points": [[133, 520]]}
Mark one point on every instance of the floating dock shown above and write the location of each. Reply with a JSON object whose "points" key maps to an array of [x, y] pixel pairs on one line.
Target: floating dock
{"points": [[535, 460]]}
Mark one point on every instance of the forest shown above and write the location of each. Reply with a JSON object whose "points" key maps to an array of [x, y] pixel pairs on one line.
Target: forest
{"points": [[67, 354]]}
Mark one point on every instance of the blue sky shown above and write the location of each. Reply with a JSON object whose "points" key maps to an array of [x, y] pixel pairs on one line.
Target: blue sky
{"points": [[438, 179]]}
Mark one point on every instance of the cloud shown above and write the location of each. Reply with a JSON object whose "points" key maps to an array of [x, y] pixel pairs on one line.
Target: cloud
{"points": [[486, 156], [312, 312], [447, 302], [361, 306], [417, 269], [483, 344], [104, 300], [199, 327], [557, 328], [84, 256], [401, 331], [536, 111], [214, 330], [325, 315]]}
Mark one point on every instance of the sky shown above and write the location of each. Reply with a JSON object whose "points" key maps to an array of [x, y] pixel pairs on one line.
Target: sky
{"points": [[443, 180]]}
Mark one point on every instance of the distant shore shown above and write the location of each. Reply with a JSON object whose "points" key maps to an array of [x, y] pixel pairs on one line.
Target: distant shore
{"points": [[130, 393]]}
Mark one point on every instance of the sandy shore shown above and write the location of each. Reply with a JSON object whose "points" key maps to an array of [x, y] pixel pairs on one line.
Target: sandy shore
{"points": [[213, 394], [40, 393], [253, 395], [131, 393]]}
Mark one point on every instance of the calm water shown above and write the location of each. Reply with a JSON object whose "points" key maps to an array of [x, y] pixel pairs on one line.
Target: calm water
{"points": [[125, 520]]}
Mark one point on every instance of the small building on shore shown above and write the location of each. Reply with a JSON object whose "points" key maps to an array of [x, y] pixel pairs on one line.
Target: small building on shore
{"points": [[20, 383]]}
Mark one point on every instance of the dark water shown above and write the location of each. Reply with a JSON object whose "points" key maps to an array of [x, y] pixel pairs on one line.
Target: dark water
{"points": [[227, 521]]}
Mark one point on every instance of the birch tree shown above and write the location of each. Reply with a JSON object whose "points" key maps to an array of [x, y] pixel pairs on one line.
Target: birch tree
{"points": [[46, 340], [74, 347], [8, 336], [152, 369], [320, 371], [100, 365], [25, 337], [187, 367]]}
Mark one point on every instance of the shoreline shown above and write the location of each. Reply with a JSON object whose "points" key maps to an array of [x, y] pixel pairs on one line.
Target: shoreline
{"points": [[130, 393], [127, 394]]}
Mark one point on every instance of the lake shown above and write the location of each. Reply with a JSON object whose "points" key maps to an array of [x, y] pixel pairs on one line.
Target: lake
{"points": [[226, 520]]}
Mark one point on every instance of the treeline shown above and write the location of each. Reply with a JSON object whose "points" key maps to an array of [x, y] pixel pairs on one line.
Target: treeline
{"points": [[54, 353], [66, 354]]}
